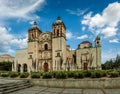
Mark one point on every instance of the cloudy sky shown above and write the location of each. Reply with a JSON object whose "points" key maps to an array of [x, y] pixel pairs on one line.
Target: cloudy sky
{"points": [[84, 20]]}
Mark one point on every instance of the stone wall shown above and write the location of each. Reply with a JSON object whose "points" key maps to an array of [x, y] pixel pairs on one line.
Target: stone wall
{"points": [[79, 83]]}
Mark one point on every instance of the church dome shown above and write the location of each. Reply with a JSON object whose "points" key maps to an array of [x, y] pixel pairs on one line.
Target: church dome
{"points": [[34, 27], [6, 55], [85, 44], [59, 22]]}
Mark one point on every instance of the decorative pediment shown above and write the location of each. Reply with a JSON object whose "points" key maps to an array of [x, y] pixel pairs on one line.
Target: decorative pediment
{"points": [[45, 37]]}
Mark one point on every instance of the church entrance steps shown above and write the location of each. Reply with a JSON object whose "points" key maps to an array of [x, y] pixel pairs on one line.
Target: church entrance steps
{"points": [[8, 87]]}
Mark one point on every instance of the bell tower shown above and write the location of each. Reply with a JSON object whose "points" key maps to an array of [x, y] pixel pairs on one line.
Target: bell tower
{"points": [[58, 29], [98, 52], [33, 43], [97, 41], [33, 33], [58, 44]]}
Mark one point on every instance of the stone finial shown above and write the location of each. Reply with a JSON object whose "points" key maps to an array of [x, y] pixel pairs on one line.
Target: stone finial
{"points": [[35, 23], [58, 18]]}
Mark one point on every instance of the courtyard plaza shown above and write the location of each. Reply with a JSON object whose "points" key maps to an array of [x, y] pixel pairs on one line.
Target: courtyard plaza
{"points": [[49, 90]]}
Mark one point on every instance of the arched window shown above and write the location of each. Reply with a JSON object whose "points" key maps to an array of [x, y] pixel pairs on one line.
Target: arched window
{"points": [[54, 31], [19, 68], [58, 32], [24, 67], [46, 47]]}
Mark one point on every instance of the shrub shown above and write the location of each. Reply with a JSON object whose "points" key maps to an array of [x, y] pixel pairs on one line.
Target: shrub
{"points": [[70, 74], [114, 74], [98, 74], [78, 75], [35, 75], [109, 71], [61, 75], [41, 73], [81, 75], [93, 75], [14, 74], [87, 73], [118, 71], [54, 74], [47, 75], [103, 73], [4, 74], [24, 75]]}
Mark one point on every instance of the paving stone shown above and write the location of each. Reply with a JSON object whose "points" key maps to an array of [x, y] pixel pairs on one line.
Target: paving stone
{"points": [[92, 91], [72, 91], [49, 93], [54, 90], [112, 91], [31, 90]]}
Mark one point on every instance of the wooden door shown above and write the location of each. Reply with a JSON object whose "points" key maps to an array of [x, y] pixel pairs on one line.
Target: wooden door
{"points": [[45, 67], [85, 66]]}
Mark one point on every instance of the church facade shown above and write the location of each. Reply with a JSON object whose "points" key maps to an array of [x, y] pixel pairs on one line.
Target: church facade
{"points": [[47, 51]]}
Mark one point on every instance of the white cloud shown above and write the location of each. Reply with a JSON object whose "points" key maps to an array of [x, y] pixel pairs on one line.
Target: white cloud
{"points": [[105, 23], [83, 28], [109, 31], [31, 22], [77, 12], [83, 37], [69, 34], [19, 9], [21, 43], [109, 54], [114, 41], [7, 40]]}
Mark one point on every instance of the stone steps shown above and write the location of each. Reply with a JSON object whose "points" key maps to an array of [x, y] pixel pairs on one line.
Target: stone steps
{"points": [[10, 87]]}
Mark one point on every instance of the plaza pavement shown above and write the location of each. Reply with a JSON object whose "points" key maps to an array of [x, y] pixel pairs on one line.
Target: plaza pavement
{"points": [[48, 90]]}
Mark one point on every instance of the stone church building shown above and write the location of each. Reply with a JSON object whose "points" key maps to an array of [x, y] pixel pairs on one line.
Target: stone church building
{"points": [[47, 51]]}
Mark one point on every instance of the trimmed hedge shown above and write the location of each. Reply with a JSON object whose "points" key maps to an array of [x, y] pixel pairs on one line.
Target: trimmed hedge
{"points": [[64, 74], [35, 75], [114, 74], [78, 75], [93, 75], [103, 73], [70, 74], [14, 74], [47, 75], [4, 74], [61, 75], [24, 75], [87, 73]]}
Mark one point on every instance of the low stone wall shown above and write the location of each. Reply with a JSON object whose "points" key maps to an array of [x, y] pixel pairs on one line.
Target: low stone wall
{"points": [[78, 83]]}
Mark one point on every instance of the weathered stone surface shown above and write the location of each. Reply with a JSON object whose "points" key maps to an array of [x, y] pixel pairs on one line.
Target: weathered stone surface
{"points": [[48, 51], [79, 83], [46, 90]]}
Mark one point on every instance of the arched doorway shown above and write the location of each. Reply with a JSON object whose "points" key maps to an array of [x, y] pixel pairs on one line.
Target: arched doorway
{"points": [[19, 68], [24, 67], [85, 66], [45, 67]]}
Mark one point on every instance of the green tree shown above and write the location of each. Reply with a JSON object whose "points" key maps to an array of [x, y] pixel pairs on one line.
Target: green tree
{"points": [[108, 65], [6, 66], [117, 61]]}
